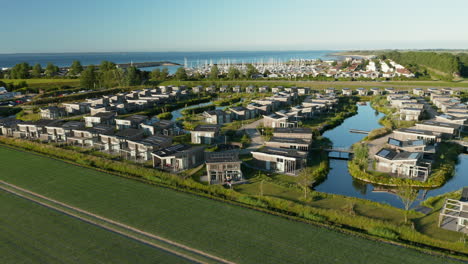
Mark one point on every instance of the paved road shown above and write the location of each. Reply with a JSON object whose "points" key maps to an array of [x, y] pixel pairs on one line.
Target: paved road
{"points": [[257, 140]]}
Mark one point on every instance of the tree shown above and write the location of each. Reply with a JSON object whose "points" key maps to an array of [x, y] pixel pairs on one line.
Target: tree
{"points": [[306, 179], [334, 63], [20, 71], [107, 66], [133, 76], [233, 73], [181, 74], [214, 72], [407, 196], [89, 77], [251, 70], [75, 68], [51, 70], [156, 74], [361, 153], [164, 74], [36, 71]]}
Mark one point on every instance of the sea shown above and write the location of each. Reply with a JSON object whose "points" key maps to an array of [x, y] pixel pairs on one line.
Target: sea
{"points": [[183, 58]]}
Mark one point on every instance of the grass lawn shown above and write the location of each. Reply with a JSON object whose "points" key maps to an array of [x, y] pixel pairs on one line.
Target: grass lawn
{"points": [[44, 82], [237, 234], [30, 233]]}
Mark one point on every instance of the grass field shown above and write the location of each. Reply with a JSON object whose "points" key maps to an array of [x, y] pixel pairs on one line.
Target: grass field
{"points": [[30, 233], [44, 82], [235, 233]]}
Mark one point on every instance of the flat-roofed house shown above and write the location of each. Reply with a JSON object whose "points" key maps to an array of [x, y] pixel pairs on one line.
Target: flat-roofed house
{"points": [[275, 120], [429, 137], [142, 149], [362, 91], [58, 132], [390, 90], [52, 112], [132, 121], [261, 109], [223, 167], [447, 130], [409, 145], [205, 134], [288, 161], [375, 91], [87, 136], [289, 143], [418, 91], [102, 118], [347, 91], [264, 89], [402, 163], [8, 126], [217, 117], [77, 108], [237, 89], [410, 114], [303, 90], [115, 142], [330, 90], [243, 113], [161, 127], [296, 132], [32, 129], [178, 157], [445, 118]]}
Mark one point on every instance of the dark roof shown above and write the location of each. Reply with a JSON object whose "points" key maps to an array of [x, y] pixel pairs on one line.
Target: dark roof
{"points": [[104, 114], [439, 124], [416, 131], [464, 196], [129, 132], [225, 156], [294, 130], [405, 143], [169, 151], [135, 118], [215, 112], [290, 140], [238, 108], [394, 155], [386, 153], [283, 152], [207, 128]]}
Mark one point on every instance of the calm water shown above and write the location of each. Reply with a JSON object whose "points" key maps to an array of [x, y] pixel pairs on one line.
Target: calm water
{"points": [[193, 58], [339, 181]]}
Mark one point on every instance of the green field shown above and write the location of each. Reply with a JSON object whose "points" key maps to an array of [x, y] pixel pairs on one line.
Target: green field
{"points": [[30, 233], [235, 233]]}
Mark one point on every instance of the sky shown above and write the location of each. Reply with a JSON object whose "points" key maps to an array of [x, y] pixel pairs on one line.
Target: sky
{"points": [[31, 26]]}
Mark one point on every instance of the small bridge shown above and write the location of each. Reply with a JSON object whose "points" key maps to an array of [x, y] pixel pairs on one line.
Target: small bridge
{"points": [[338, 149], [343, 153], [358, 131]]}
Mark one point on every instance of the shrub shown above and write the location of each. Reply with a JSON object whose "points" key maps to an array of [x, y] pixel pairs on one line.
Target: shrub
{"points": [[166, 116], [383, 232]]}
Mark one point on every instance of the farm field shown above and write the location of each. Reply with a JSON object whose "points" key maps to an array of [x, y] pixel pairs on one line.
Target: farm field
{"points": [[234, 233], [30, 233]]}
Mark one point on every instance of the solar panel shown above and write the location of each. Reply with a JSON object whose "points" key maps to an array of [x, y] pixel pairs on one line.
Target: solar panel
{"points": [[394, 142], [413, 155], [418, 142], [383, 153]]}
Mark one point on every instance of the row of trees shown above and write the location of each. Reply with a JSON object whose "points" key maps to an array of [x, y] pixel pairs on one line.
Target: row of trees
{"points": [[181, 74], [107, 75], [451, 64], [25, 71]]}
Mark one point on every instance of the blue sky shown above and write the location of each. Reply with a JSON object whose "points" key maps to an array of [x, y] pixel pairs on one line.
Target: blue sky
{"points": [[220, 25]]}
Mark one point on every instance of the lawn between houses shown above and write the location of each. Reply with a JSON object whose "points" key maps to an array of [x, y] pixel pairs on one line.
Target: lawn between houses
{"points": [[31, 233], [232, 232]]}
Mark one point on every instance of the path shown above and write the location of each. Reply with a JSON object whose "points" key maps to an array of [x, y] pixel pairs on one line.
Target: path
{"points": [[114, 226], [254, 135]]}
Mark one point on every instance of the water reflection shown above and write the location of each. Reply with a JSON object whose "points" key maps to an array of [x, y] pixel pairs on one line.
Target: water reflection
{"points": [[339, 181]]}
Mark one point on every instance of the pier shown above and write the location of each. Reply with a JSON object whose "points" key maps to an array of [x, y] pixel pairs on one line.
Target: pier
{"points": [[358, 131]]}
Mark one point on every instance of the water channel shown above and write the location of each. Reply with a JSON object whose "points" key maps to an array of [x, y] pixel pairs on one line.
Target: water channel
{"points": [[339, 181]]}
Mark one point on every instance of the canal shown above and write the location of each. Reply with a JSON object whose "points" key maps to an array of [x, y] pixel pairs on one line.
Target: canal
{"points": [[339, 181]]}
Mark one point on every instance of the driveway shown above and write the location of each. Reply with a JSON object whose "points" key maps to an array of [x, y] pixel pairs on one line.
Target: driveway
{"points": [[252, 132]]}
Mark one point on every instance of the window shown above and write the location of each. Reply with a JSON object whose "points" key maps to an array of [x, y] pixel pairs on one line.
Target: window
{"points": [[279, 160]]}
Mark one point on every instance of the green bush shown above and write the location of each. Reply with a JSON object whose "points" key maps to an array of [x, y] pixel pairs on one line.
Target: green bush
{"points": [[383, 232], [165, 116]]}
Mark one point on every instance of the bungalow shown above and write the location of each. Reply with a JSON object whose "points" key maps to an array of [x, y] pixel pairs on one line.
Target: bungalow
{"points": [[330, 90], [362, 91], [418, 91], [390, 90], [260, 109], [32, 130], [205, 134], [407, 145], [445, 118], [224, 89], [296, 132], [94, 109], [237, 89], [132, 121], [263, 89], [410, 114], [161, 127], [142, 149], [102, 118], [250, 89], [217, 117], [89, 135], [375, 91], [347, 92], [428, 137], [275, 120], [402, 164], [223, 167], [8, 126], [303, 90], [178, 157], [288, 161], [277, 89], [197, 89], [115, 142], [243, 113], [52, 112], [448, 130], [77, 108], [289, 143], [59, 131]]}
